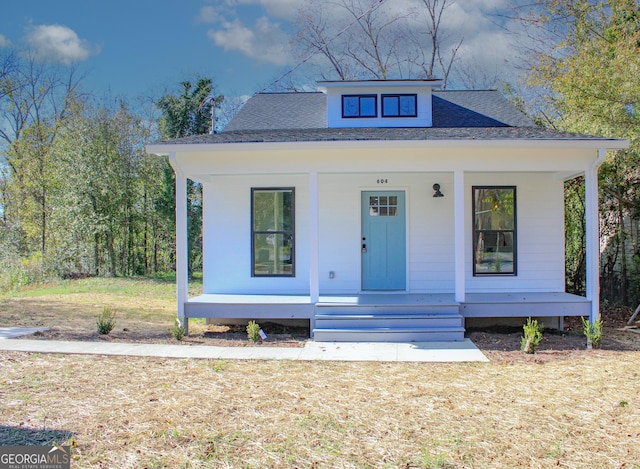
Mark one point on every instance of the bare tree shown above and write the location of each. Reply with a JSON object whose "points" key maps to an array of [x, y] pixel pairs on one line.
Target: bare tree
{"points": [[429, 38], [315, 36], [353, 39], [374, 41]]}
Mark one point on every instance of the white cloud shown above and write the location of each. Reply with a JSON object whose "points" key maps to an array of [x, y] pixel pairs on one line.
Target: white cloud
{"points": [[265, 41], [208, 14], [488, 40], [58, 44], [4, 42], [286, 9]]}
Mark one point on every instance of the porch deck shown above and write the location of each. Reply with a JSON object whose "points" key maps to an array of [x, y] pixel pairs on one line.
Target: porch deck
{"points": [[516, 304], [525, 304], [386, 317]]}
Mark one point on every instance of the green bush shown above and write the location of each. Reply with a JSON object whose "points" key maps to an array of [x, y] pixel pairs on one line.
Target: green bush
{"points": [[593, 332], [532, 336], [253, 331], [178, 330], [106, 321], [17, 272]]}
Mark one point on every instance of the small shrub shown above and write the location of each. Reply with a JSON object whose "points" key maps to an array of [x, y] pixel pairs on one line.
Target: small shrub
{"points": [[253, 331], [106, 321], [532, 336], [593, 332], [218, 366], [178, 330]]}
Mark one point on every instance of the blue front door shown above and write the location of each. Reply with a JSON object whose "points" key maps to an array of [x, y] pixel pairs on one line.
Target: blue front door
{"points": [[383, 240]]}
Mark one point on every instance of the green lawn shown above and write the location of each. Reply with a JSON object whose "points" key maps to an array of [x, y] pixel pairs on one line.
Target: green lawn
{"points": [[141, 304]]}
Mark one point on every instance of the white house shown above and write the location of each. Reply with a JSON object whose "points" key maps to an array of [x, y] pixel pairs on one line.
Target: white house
{"points": [[385, 210]]}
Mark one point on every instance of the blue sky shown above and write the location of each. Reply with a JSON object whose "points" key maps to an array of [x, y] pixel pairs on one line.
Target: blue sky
{"points": [[139, 48]]}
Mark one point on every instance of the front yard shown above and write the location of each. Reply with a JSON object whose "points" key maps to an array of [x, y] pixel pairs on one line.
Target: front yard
{"points": [[562, 407], [162, 413]]}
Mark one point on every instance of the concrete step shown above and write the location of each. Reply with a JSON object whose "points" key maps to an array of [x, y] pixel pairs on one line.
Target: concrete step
{"points": [[384, 334]]}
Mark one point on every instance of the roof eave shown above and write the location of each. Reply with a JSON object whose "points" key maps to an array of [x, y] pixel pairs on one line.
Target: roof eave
{"points": [[594, 143]]}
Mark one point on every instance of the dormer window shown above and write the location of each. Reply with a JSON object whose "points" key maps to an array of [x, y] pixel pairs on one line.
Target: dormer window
{"points": [[379, 103], [399, 105], [360, 105]]}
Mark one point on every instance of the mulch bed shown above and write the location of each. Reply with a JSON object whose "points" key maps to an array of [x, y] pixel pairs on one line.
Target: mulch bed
{"points": [[500, 344], [503, 344], [216, 335]]}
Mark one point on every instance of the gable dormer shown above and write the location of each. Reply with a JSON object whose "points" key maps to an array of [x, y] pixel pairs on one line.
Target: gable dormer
{"points": [[379, 103]]}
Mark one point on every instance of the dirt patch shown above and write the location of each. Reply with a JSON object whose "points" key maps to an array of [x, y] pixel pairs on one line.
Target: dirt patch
{"points": [[199, 334]]}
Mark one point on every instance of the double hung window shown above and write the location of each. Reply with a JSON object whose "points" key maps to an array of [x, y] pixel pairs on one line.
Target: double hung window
{"points": [[494, 230], [272, 232]]}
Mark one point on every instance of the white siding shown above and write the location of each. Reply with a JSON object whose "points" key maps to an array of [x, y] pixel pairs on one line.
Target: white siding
{"points": [[540, 234], [429, 229], [423, 119], [227, 236], [430, 255]]}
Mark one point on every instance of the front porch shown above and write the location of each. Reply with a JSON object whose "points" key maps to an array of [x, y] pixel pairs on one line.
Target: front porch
{"points": [[387, 317]]}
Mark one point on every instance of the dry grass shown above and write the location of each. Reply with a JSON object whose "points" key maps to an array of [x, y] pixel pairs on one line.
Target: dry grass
{"points": [[140, 304], [134, 413], [562, 407], [145, 312]]}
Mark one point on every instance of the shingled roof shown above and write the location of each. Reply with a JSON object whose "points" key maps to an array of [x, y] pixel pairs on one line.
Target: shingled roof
{"points": [[302, 117], [271, 111], [288, 111], [475, 109], [384, 134]]}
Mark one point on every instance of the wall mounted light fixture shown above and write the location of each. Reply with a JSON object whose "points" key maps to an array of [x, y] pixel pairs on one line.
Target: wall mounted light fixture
{"points": [[437, 193]]}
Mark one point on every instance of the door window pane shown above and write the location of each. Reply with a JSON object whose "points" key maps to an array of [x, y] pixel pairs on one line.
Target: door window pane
{"points": [[383, 206]]}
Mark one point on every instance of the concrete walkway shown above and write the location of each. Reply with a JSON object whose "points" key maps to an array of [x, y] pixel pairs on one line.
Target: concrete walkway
{"points": [[464, 351], [13, 332]]}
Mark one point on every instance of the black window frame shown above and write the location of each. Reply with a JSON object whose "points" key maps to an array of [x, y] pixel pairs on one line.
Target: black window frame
{"points": [[360, 96], [514, 231], [291, 234], [399, 96]]}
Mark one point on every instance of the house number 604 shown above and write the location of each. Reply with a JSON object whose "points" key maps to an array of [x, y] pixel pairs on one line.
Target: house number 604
{"points": [[383, 181]]}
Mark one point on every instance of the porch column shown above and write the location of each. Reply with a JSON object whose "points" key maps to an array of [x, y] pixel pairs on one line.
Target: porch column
{"points": [[314, 238], [182, 252], [592, 235], [459, 234]]}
